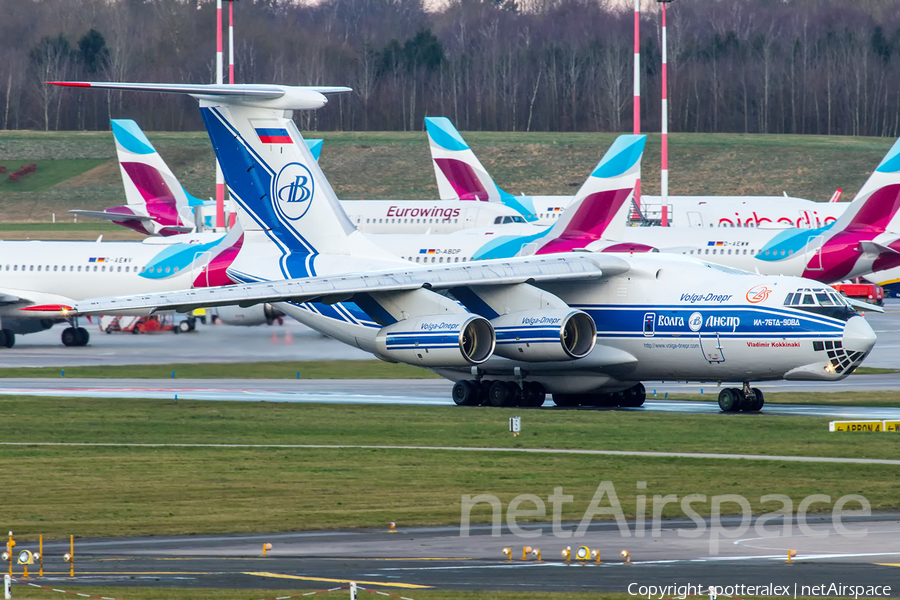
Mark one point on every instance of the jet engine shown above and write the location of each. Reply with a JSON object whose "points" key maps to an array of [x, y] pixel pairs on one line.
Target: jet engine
{"points": [[252, 315], [451, 340], [545, 335]]}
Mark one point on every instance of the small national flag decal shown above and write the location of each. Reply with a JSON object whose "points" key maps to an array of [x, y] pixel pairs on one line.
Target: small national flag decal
{"points": [[273, 135]]}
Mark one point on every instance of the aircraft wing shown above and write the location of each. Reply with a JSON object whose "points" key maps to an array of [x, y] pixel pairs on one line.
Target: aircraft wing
{"points": [[862, 305], [9, 298], [110, 216], [337, 288]]}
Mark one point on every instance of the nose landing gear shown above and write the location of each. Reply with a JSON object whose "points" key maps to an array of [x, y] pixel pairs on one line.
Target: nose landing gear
{"points": [[745, 399]]}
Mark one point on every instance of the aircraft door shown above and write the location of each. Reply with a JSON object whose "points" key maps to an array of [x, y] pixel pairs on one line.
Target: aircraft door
{"points": [[711, 347], [649, 324], [199, 269], [814, 253], [695, 219]]}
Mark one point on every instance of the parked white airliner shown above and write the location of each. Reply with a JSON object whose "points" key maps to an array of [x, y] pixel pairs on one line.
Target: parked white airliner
{"points": [[585, 327], [461, 176]]}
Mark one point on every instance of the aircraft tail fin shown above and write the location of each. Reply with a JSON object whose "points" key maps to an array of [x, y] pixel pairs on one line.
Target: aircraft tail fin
{"points": [[877, 204], [459, 173], [600, 208], [149, 182], [836, 197]]}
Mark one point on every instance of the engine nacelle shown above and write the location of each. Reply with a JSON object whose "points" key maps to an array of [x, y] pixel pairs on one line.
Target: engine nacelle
{"points": [[452, 340], [252, 315], [539, 335]]}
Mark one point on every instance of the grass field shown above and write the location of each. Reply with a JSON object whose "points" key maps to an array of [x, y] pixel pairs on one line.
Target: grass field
{"points": [[396, 165], [317, 369], [122, 490]]}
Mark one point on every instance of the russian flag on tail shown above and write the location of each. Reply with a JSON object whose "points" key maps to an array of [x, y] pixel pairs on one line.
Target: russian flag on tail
{"points": [[273, 135]]}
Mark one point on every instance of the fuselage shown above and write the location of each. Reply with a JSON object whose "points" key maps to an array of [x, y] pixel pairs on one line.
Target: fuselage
{"points": [[49, 273], [708, 211], [671, 318], [427, 216]]}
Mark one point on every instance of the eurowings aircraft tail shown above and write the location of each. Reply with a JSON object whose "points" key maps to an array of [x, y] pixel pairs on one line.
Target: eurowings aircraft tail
{"points": [[877, 202], [460, 175], [597, 212], [149, 182], [600, 208]]}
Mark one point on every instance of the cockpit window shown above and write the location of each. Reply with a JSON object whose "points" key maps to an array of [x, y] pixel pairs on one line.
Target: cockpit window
{"points": [[821, 301], [824, 299]]}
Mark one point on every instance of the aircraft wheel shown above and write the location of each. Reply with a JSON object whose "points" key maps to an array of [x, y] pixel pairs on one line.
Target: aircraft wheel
{"points": [[9, 338], [634, 396], [534, 394], [729, 401], [82, 337], [757, 403], [184, 327], [464, 393], [69, 337], [500, 394], [2, 337]]}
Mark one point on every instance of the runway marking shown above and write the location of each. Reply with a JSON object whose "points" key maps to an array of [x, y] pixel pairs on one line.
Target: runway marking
{"points": [[887, 564], [708, 455], [327, 580]]}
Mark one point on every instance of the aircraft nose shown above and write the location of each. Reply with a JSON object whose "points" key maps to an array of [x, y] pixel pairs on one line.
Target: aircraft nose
{"points": [[858, 336]]}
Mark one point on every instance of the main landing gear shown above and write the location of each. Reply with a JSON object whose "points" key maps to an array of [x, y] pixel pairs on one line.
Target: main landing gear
{"points": [[75, 336], [472, 392], [7, 338], [633, 397], [746, 399]]}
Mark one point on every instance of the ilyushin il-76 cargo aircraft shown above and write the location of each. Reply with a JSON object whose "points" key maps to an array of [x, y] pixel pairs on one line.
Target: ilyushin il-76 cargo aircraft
{"points": [[587, 328]]}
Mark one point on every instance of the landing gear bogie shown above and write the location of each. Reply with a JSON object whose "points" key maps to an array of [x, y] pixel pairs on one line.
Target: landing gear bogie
{"points": [[75, 336], [632, 397], [498, 393], [744, 399]]}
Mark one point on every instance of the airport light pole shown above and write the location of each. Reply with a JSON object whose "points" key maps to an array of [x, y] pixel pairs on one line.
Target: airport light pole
{"points": [[664, 171], [637, 89]]}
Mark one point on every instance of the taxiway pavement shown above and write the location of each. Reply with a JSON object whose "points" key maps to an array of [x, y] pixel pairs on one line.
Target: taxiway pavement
{"points": [[866, 552]]}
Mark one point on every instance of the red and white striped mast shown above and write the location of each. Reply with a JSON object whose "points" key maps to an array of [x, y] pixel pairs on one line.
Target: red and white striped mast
{"points": [[664, 171], [231, 41], [637, 88], [220, 178]]}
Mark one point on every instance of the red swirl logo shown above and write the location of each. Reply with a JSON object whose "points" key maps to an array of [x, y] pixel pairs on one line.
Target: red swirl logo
{"points": [[758, 294]]}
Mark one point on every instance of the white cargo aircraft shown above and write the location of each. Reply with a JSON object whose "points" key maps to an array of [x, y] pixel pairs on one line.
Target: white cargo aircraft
{"points": [[587, 328], [461, 176]]}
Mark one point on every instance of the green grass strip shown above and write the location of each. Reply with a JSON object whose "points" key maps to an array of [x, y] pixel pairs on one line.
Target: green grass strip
{"points": [[98, 491], [317, 369]]}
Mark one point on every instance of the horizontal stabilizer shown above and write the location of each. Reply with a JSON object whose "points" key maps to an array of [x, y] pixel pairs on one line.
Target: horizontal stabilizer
{"points": [[284, 97], [874, 249], [112, 216]]}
